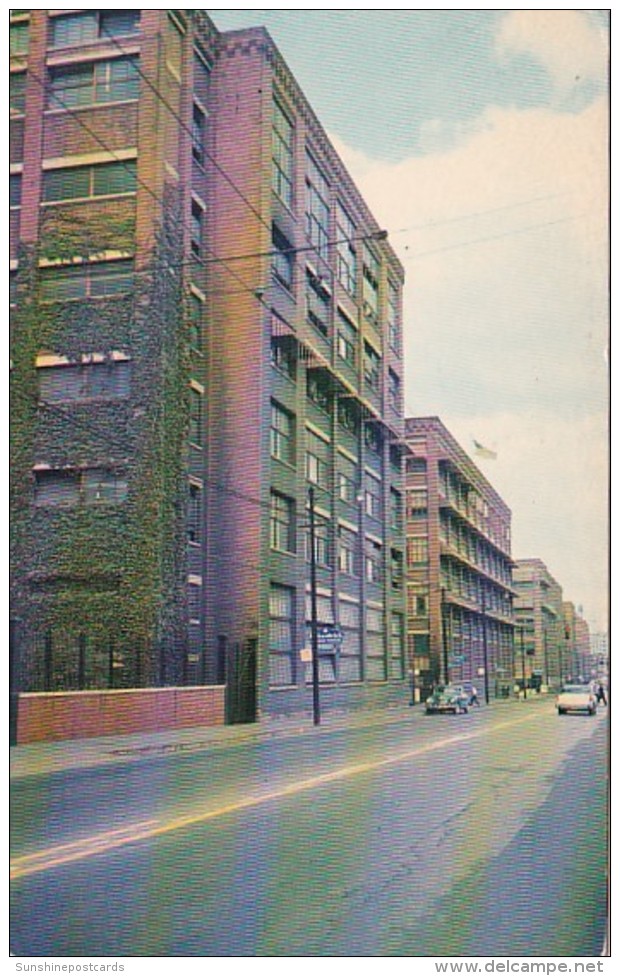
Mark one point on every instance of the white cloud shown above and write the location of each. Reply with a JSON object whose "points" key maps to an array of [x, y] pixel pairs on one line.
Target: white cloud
{"points": [[504, 242], [566, 42]]}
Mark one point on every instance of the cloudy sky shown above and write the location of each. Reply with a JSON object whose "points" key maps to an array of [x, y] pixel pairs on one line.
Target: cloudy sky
{"points": [[479, 140]]}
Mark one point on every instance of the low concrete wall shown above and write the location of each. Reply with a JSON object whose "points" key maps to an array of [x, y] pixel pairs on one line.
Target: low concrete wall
{"points": [[50, 716]]}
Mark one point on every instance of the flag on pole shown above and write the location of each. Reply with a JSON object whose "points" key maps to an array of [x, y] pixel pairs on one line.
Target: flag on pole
{"points": [[484, 452]]}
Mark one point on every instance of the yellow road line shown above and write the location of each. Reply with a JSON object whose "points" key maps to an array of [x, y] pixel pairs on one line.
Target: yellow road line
{"points": [[145, 830]]}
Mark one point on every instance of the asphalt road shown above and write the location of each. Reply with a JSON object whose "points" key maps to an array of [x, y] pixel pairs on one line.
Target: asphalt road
{"points": [[482, 834]]}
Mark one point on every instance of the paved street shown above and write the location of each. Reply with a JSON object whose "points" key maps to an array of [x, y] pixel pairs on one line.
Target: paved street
{"points": [[482, 834]]}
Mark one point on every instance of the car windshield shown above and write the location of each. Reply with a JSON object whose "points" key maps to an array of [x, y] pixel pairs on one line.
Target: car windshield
{"points": [[576, 690]]}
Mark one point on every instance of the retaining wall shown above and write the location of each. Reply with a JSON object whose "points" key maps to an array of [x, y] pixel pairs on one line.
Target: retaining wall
{"points": [[47, 717]]}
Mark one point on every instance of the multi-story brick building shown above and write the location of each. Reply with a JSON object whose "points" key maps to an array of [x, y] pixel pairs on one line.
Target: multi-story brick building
{"points": [[540, 623], [205, 323], [459, 588]]}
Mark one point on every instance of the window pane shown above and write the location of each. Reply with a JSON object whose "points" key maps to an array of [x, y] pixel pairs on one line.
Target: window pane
{"points": [[18, 39], [56, 488], [114, 178], [74, 29], [66, 184], [70, 86], [17, 93], [115, 23], [111, 278]]}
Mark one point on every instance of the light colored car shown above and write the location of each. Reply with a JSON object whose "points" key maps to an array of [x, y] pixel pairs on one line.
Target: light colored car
{"points": [[576, 698]]}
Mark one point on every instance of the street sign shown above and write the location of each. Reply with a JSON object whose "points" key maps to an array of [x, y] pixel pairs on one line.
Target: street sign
{"points": [[329, 638]]}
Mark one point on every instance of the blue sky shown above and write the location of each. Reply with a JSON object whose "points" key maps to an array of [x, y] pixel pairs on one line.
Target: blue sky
{"points": [[479, 140]]}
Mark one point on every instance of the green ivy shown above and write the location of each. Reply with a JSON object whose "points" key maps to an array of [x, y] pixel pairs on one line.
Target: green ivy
{"points": [[137, 546]]}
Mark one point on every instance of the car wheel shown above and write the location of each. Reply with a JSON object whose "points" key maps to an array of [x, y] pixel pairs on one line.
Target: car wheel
{"points": [[561, 711]]}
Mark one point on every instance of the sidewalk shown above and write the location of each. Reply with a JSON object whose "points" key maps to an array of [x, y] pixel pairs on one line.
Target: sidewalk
{"points": [[42, 758]]}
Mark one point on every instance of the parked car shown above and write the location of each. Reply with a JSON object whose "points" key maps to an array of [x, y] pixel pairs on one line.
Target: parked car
{"points": [[451, 698], [576, 698]]}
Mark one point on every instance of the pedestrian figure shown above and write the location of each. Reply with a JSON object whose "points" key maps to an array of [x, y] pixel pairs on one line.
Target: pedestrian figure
{"points": [[600, 695], [473, 700]]}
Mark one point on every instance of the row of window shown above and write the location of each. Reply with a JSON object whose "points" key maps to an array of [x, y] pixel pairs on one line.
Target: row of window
{"points": [[283, 657], [318, 220], [77, 28], [284, 448], [283, 538]]}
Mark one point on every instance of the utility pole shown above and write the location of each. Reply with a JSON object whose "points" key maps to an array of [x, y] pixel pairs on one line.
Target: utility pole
{"points": [[444, 634], [521, 632], [484, 644], [316, 707]]}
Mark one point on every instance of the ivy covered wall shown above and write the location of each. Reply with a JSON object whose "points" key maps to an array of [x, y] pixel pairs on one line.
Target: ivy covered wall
{"points": [[99, 590]]}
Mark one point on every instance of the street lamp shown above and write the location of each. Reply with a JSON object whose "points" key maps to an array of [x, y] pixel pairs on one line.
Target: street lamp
{"points": [[521, 635], [316, 706]]}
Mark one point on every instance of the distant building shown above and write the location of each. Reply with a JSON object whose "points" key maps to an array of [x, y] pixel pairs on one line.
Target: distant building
{"points": [[540, 622], [206, 323], [459, 585]]}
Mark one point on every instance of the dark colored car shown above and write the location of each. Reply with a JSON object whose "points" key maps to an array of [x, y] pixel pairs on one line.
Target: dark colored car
{"points": [[450, 699]]}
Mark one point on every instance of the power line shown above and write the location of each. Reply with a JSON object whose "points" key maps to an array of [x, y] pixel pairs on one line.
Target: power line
{"points": [[492, 237], [248, 288], [187, 129]]}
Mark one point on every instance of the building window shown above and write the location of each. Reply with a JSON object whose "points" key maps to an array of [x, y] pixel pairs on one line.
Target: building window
{"points": [[317, 303], [394, 390], [416, 466], [198, 134], [322, 553], [196, 306], [284, 354], [347, 551], [18, 39], [396, 510], [282, 148], [74, 85], [349, 415], [90, 26], [282, 434], [15, 190], [281, 631], [87, 486], [194, 513], [195, 416], [397, 633], [102, 280], [347, 340], [282, 523], [417, 550], [372, 366], [347, 257], [347, 480], [317, 207], [373, 438], [396, 568], [372, 496], [373, 561], [319, 389], [370, 285], [83, 182], [282, 258], [17, 93], [317, 468], [418, 501], [196, 225], [392, 317], [108, 380]]}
